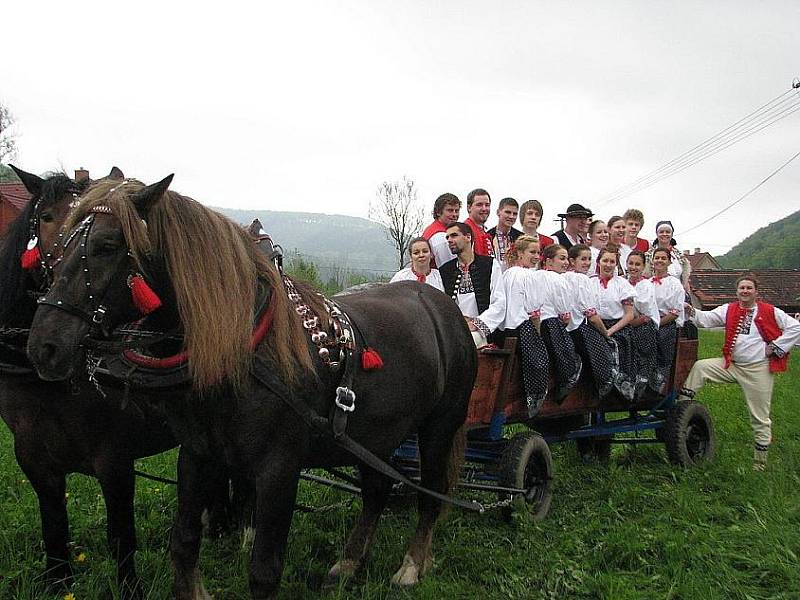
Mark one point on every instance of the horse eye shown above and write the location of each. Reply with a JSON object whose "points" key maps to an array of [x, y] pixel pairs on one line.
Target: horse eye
{"points": [[46, 217], [105, 247]]}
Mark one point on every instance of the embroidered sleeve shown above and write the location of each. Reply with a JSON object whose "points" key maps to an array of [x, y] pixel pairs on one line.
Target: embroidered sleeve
{"points": [[627, 302], [590, 312], [674, 311], [482, 326], [777, 351], [535, 314]]}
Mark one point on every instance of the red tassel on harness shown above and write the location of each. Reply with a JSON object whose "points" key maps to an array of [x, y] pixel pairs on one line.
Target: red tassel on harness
{"points": [[31, 258], [144, 298], [371, 360]]}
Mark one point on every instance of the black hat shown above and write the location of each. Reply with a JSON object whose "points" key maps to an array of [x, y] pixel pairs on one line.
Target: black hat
{"points": [[576, 210]]}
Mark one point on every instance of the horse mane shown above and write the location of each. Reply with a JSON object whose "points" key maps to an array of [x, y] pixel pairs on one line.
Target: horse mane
{"points": [[213, 266], [13, 279]]}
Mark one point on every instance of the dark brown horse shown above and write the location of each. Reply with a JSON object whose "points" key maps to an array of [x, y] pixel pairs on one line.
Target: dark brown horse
{"points": [[68, 427], [247, 403]]}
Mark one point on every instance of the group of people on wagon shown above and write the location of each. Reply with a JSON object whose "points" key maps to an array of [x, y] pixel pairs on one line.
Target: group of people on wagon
{"points": [[583, 298], [594, 296]]}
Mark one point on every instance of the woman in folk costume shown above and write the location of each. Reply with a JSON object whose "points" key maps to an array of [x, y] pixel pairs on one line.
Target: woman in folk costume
{"points": [[644, 326], [555, 316], [679, 264], [586, 328], [758, 337], [616, 232], [616, 310], [419, 250], [524, 300], [598, 239], [669, 298]]}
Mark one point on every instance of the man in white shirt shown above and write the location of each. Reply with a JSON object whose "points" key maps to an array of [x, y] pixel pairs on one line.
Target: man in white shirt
{"points": [[758, 338], [475, 283]]}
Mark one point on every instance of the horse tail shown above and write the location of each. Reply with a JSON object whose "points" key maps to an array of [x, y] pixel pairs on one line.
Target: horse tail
{"points": [[456, 460]]}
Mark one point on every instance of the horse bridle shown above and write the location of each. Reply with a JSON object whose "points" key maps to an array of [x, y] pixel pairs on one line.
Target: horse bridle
{"points": [[96, 318]]}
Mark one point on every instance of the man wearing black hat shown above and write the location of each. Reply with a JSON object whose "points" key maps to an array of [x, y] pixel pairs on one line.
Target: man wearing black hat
{"points": [[576, 228]]}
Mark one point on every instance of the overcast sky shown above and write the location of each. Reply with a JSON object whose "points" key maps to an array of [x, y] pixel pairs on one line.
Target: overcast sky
{"points": [[309, 106]]}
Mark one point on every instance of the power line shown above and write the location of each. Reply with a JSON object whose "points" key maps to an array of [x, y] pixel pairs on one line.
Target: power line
{"points": [[735, 202], [719, 145], [767, 114]]}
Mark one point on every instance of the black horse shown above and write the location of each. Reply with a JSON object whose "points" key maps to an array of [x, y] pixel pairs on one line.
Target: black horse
{"points": [[67, 427], [257, 407]]}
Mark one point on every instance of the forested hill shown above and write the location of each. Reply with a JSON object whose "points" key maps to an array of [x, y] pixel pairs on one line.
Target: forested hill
{"points": [[776, 246], [333, 242]]}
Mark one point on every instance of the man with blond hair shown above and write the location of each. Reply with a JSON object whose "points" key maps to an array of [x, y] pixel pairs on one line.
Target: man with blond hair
{"points": [[634, 221], [530, 217]]}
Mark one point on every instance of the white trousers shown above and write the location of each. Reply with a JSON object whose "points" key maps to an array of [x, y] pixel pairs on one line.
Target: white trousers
{"points": [[756, 382]]}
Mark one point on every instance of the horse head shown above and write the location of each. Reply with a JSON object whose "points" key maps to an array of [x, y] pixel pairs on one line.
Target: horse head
{"points": [[30, 244], [103, 252]]}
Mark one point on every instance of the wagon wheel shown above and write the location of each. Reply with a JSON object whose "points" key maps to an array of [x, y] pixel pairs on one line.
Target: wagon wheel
{"points": [[689, 434], [527, 464], [594, 449]]}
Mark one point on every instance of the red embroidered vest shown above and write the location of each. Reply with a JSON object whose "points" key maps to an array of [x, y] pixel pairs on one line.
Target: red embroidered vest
{"points": [[765, 323]]}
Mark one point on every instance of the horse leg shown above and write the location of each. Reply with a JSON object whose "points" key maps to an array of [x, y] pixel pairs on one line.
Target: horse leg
{"points": [[276, 491], [118, 482], [187, 532], [50, 488], [375, 490], [439, 450]]}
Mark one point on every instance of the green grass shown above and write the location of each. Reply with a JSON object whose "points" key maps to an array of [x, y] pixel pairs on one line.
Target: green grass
{"points": [[638, 528]]}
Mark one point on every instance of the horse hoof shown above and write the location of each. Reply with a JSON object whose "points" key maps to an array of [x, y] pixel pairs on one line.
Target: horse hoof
{"points": [[408, 574], [343, 569]]}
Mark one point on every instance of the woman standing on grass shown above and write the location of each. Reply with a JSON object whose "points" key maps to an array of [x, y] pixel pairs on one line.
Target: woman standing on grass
{"points": [[679, 266], [616, 310], [669, 295], [555, 316], [644, 326], [524, 300], [586, 328], [419, 250]]}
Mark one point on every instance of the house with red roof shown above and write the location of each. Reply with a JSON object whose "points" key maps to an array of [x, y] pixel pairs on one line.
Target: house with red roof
{"points": [[714, 287], [700, 260]]}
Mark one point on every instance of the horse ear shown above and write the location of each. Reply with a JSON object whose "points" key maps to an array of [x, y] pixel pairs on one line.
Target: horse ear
{"points": [[33, 183], [116, 174], [151, 194]]}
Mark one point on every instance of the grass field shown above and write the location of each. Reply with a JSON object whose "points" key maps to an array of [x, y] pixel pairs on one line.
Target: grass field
{"points": [[637, 528]]}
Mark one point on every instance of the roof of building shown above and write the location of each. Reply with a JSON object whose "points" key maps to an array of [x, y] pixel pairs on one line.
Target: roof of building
{"points": [[15, 194], [780, 287], [698, 258]]}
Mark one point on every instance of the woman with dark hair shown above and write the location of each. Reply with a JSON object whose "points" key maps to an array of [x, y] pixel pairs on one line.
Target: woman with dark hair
{"points": [[598, 239], [617, 230], [419, 251], [616, 309], [679, 266], [586, 328], [644, 326], [555, 316], [524, 300], [669, 294]]}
